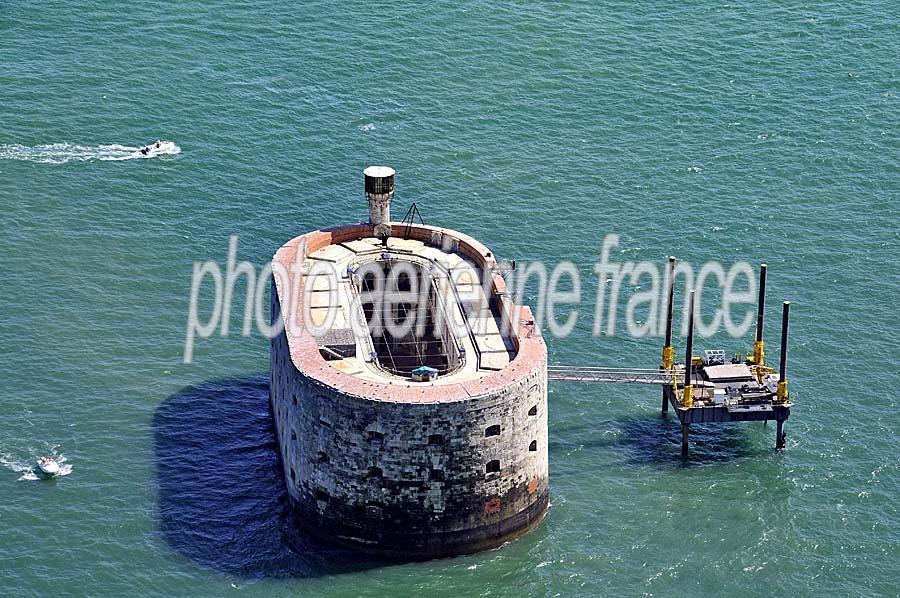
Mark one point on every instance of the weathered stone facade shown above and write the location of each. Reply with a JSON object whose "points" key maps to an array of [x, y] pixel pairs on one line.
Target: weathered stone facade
{"points": [[418, 471]]}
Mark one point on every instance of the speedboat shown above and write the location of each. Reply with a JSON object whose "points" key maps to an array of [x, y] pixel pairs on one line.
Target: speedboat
{"points": [[155, 149], [48, 466]]}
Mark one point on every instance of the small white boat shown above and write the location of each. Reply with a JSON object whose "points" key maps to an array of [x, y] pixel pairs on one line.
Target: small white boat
{"points": [[48, 466], [160, 147]]}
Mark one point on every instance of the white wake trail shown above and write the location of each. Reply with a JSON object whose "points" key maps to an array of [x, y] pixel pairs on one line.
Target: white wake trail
{"points": [[25, 470], [60, 153]]}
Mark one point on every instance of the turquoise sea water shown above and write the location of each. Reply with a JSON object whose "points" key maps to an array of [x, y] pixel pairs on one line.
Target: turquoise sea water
{"points": [[704, 130]]}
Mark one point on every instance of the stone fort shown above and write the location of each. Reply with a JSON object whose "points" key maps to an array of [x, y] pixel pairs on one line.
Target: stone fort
{"points": [[409, 392]]}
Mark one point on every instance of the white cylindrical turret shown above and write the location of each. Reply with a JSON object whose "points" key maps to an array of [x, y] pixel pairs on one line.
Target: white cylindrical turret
{"points": [[379, 192]]}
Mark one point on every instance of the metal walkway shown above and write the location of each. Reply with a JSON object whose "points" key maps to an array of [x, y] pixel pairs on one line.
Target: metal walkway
{"points": [[616, 375]]}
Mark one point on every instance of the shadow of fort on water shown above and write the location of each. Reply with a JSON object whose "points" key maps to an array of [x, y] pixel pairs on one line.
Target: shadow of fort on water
{"points": [[222, 500]]}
